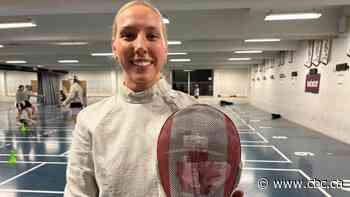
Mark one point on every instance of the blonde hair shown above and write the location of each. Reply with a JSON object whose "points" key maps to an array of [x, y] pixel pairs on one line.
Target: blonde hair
{"points": [[133, 3]]}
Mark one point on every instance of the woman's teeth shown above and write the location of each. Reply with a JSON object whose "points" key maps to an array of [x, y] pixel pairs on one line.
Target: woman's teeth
{"points": [[141, 62]]}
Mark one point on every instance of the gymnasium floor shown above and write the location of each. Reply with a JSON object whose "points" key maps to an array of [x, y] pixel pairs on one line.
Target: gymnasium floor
{"points": [[272, 150]]}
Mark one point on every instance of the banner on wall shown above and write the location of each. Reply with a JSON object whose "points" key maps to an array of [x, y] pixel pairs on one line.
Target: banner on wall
{"points": [[309, 53], [326, 47], [316, 58], [282, 57], [312, 83], [290, 57]]}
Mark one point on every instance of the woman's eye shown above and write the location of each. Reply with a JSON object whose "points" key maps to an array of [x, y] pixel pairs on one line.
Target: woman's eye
{"points": [[128, 36], [152, 36]]}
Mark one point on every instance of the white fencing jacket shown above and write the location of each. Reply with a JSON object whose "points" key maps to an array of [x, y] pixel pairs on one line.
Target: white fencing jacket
{"points": [[114, 147]]}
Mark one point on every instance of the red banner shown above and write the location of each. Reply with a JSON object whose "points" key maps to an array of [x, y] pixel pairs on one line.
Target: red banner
{"points": [[312, 83]]}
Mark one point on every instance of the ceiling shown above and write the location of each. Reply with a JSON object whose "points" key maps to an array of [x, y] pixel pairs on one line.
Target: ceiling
{"points": [[210, 30]]}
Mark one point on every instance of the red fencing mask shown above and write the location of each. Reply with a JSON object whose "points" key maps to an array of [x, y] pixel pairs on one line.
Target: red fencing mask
{"points": [[199, 153]]}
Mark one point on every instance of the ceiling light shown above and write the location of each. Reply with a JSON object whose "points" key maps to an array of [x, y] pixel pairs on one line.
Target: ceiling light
{"points": [[177, 53], [292, 16], [180, 60], [71, 43], [174, 42], [1, 46], [16, 62], [240, 59], [11, 25], [68, 61], [263, 40], [239, 52], [188, 70], [102, 54]]}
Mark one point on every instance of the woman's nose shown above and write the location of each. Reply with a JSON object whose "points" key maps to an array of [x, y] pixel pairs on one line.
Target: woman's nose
{"points": [[140, 45]]}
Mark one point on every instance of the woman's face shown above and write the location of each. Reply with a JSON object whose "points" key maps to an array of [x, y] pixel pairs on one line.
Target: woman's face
{"points": [[140, 46]]}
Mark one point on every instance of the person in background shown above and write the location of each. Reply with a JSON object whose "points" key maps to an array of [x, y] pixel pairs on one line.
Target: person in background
{"points": [[29, 93], [114, 145], [21, 105], [196, 91], [75, 99]]}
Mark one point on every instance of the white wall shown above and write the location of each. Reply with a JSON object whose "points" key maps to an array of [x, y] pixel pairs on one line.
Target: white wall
{"points": [[2, 83], [231, 82], [99, 83], [16, 78], [326, 112]]}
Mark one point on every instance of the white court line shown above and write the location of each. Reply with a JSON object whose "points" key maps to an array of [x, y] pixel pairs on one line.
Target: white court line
{"points": [[272, 169], [268, 161], [274, 147], [264, 161], [32, 137], [37, 155], [283, 155], [290, 170], [253, 141], [319, 188], [265, 127], [30, 191], [265, 140], [21, 174], [27, 171], [248, 125], [346, 185], [38, 162], [41, 141], [245, 130]]}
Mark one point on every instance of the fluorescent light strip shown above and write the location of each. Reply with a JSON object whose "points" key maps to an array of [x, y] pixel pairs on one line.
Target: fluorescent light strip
{"points": [[239, 52], [240, 59], [68, 61], [16, 62], [177, 53], [174, 42], [17, 25], [263, 40], [292, 16], [1, 46], [71, 43], [180, 60], [101, 54]]}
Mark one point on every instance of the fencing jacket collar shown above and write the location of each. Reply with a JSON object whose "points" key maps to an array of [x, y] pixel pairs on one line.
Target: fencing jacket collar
{"points": [[161, 88]]}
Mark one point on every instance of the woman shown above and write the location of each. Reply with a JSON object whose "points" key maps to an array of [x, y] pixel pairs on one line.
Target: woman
{"points": [[75, 99], [113, 151]]}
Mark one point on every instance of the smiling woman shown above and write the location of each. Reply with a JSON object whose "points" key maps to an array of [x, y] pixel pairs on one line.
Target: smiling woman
{"points": [[139, 45], [113, 150]]}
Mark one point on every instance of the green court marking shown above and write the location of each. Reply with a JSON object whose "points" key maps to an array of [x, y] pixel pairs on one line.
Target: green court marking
{"points": [[12, 158]]}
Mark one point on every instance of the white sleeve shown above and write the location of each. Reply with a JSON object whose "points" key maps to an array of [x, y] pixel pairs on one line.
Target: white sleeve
{"points": [[80, 170]]}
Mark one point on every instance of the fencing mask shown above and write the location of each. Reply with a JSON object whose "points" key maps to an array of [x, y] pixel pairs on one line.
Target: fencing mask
{"points": [[199, 153]]}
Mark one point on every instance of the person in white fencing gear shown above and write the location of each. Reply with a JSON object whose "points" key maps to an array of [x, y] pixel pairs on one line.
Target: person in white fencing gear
{"points": [[22, 105], [75, 98], [196, 91], [114, 146]]}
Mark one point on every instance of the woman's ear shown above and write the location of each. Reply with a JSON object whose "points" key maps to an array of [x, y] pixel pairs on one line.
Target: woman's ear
{"points": [[114, 50]]}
